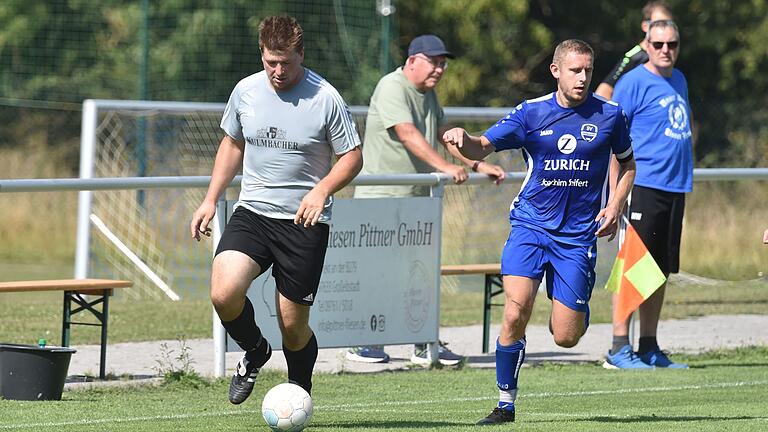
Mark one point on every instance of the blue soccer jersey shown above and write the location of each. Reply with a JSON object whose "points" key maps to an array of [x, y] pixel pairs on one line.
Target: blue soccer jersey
{"points": [[659, 116], [567, 152]]}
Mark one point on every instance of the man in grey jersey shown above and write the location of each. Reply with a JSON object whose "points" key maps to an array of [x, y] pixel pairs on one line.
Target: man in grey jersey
{"points": [[283, 125]]}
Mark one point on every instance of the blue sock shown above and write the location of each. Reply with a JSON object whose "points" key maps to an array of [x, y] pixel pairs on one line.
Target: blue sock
{"points": [[509, 359]]}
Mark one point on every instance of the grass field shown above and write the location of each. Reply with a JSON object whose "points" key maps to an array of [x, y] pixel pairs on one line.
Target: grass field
{"points": [[722, 391]]}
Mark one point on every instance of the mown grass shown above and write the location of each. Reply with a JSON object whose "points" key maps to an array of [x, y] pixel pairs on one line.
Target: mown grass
{"points": [[722, 391]]}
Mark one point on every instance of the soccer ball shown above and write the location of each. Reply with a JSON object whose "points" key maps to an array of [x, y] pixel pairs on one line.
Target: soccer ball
{"points": [[287, 407]]}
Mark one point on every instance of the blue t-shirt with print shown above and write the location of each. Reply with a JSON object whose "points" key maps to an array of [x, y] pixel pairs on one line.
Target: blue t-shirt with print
{"points": [[567, 152], [659, 118]]}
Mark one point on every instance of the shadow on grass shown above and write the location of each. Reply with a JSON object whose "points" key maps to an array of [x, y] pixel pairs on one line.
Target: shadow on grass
{"points": [[652, 419], [717, 302], [410, 425], [729, 364]]}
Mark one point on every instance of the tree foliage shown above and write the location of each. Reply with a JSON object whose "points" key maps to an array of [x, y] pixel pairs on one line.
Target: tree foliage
{"points": [[69, 50]]}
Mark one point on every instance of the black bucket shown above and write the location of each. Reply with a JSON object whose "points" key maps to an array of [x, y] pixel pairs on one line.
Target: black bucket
{"points": [[29, 372]]}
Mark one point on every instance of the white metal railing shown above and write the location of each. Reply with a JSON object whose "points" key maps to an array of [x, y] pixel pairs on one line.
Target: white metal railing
{"points": [[117, 183]]}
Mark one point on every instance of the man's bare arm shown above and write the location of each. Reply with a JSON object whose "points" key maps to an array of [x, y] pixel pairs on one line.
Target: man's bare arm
{"points": [[471, 146], [344, 170], [414, 142], [229, 158]]}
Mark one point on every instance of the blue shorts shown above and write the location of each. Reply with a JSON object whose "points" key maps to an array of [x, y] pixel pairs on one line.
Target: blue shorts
{"points": [[570, 269]]}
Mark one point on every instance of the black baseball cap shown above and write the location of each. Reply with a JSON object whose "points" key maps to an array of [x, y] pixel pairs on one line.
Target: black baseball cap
{"points": [[430, 45]]}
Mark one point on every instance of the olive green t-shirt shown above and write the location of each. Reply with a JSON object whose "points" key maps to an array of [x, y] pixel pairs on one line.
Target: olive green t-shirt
{"points": [[396, 100]]}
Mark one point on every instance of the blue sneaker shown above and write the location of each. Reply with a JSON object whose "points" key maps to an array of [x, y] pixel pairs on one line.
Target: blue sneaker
{"points": [[625, 358], [368, 354], [658, 358], [446, 357]]}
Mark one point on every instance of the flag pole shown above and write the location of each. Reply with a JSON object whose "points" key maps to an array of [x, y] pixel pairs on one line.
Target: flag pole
{"points": [[632, 333]]}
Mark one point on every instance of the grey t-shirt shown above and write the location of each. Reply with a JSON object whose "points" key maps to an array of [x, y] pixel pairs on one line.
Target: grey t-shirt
{"points": [[290, 138]]}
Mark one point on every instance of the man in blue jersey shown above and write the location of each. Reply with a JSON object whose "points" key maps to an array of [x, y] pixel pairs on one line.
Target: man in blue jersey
{"points": [[567, 138], [655, 99]]}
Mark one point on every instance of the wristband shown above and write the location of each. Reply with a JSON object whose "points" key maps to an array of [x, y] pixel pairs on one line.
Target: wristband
{"points": [[475, 165]]}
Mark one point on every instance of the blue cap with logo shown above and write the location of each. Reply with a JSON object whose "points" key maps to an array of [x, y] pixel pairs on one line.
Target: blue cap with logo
{"points": [[429, 45]]}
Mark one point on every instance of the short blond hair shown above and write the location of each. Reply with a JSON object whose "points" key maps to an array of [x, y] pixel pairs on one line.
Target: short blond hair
{"points": [[571, 45]]}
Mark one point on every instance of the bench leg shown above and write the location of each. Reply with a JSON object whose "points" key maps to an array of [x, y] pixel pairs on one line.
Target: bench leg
{"points": [[104, 321], [487, 312], [101, 316], [66, 319], [491, 280]]}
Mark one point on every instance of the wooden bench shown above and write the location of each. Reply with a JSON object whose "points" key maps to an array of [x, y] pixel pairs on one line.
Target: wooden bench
{"points": [[74, 290], [492, 274]]}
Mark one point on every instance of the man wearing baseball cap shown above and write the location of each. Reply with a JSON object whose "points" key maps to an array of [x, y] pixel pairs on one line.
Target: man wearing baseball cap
{"points": [[402, 133]]}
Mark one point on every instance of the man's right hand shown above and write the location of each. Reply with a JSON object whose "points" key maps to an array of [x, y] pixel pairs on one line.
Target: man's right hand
{"points": [[201, 218], [458, 173]]}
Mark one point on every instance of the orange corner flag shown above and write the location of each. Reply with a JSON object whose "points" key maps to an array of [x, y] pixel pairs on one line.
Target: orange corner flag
{"points": [[634, 277]]}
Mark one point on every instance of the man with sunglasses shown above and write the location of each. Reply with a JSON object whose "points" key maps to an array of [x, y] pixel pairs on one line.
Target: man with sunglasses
{"points": [[652, 11], [402, 130], [655, 99]]}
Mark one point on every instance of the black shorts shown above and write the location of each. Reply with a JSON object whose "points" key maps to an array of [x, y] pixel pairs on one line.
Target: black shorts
{"points": [[657, 216], [295, 253]]}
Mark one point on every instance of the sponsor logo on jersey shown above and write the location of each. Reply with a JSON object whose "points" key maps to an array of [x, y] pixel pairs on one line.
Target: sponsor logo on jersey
{"points": [[566, 165], [588, 132], [272, 137], [546, 132], [566, 144], [271, 132], [565, 183]]}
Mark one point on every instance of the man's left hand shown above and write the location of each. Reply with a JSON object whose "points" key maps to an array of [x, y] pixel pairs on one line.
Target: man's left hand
{"points": [[495, 172], [610, 222], [311, 208]]}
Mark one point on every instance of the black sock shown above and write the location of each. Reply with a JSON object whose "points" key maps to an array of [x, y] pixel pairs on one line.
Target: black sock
{"points": [[618, 343], [301, 363], [647, 344], [244, 331]]}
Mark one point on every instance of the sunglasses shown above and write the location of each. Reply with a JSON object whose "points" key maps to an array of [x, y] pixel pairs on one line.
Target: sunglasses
{"points": [[659, 45]]}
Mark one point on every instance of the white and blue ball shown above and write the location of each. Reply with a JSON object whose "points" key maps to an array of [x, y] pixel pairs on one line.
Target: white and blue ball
{"points": [[287, 407]]}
